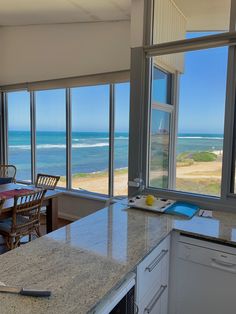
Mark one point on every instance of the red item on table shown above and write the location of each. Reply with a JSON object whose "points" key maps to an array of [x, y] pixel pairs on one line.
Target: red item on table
{"points": [[15, 192]]}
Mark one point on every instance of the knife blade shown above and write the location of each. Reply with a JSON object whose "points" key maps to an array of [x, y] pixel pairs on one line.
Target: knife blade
{"points": [[25, 291]]}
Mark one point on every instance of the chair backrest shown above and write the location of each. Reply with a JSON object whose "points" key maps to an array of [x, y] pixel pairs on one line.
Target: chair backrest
{"points": [[2, 200], [8, 172], [46, 181], [27, 205]]}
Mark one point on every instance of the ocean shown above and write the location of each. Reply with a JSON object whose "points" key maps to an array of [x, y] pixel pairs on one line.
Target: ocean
{"points": [[89, 150]]}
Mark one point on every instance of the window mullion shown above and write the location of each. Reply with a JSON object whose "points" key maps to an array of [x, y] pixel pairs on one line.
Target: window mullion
{"points": [[4, 136], [33, 136], [174, 130], [68, 139], [111, 139], [227, 164]]}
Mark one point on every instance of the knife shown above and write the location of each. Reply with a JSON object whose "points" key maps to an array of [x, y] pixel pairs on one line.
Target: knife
{"points": [[28, 292]]}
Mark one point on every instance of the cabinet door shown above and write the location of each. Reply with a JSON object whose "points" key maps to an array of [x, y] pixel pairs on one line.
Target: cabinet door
{"points": [[156, 302]]}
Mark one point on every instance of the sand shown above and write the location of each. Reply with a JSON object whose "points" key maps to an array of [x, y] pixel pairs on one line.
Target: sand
{"points": [[200, 177]]}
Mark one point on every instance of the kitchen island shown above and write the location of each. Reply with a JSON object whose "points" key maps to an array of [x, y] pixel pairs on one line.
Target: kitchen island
{"points": [[84, 261]]}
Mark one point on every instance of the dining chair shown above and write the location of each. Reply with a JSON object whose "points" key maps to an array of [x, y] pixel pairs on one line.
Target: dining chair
{"points": [[7, 174], [46, 181], [25, 219], [2, 200]]}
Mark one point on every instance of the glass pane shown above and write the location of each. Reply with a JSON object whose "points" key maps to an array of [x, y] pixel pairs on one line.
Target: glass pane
{"points": [[19, 145], [90, 138], [51, 133], [173, 19], [199, 137], [161, 86], [122, 93], [159, 151]]}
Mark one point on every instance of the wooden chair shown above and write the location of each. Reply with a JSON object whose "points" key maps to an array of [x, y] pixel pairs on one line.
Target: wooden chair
{"points": [[1, 203], [46, 181], [25, 218], [7, 174]]}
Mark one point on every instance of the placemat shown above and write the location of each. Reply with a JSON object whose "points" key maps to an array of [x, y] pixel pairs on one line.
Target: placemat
{"points": [[15, 192]]}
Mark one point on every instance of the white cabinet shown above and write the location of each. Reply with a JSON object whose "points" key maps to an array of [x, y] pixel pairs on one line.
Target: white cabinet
{"points": [[204, 278], [152, 280]]}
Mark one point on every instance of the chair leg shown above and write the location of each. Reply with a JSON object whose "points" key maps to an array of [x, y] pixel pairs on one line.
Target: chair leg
{"points": [[30, 237], [38, 233]]}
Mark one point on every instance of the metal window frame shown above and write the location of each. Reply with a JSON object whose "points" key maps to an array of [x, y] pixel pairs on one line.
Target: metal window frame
{"points": [[68, 140], [141, 56], [68, 117], [111, 139], [168, 108], [33, 136]]}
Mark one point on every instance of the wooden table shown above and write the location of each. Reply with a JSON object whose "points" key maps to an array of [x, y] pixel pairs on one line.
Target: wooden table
{"points": [[50, 201]]}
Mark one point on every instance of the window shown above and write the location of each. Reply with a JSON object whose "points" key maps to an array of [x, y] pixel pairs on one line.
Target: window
{"points": [[19, 136], [68, 132], [161, 117], [51, 133], [185, 105], [90, 138], [199, 136]]}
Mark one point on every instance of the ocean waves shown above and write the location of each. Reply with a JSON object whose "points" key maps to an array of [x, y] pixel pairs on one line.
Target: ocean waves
{"points": [[57, 146], [200, 137]]}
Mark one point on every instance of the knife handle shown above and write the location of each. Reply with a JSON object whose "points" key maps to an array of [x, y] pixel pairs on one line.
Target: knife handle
{"points": [[35, 293]]}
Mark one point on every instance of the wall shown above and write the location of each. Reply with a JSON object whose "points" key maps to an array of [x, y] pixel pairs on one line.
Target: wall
{"points": [[43, 52], [169, 25], [73, 207]]}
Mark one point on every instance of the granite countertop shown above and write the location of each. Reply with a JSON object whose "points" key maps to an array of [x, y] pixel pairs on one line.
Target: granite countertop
{"points": [[83, 261]]}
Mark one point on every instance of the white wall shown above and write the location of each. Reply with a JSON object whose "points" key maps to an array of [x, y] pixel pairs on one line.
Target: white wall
{"points": [[73, 207], [43, 52], [169, 25]]}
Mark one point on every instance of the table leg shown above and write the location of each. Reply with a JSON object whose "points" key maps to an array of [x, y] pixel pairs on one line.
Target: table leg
{"points": [[52, 214]]}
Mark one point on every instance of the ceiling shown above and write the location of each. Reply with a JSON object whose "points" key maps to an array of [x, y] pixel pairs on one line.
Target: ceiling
{"points": [[28, 12], [200, 14]]}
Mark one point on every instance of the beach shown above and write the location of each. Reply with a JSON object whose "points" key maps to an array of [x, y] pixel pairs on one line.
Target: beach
{"points": [[199, 177], [90, 157]]}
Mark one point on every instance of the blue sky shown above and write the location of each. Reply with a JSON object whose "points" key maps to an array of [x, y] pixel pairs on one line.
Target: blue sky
{"points": [[90, 109], [202, 90], [202, 100]]}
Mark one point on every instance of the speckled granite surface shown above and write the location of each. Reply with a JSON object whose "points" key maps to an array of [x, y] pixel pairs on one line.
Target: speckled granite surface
{"points": [[85, 260]]}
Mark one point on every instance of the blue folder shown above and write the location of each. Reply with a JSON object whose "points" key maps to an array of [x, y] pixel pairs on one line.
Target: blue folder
{"points": [[183, 209]]}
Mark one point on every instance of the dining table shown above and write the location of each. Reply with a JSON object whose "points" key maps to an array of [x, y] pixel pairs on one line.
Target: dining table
{"points": [[50, 201]]}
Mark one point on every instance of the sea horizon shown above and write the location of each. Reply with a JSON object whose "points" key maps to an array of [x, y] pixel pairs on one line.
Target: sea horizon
{"points": [[90, 150]]}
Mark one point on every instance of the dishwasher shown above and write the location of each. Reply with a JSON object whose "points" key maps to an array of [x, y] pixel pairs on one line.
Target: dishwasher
{"points": [[205, 277]]}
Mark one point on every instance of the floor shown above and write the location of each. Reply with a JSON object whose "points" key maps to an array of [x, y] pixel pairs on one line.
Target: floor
{"points": [[61, 223]]}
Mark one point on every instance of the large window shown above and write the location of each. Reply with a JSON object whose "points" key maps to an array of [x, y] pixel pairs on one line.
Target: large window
{"points": [[186, 110], [19, 137], [199, 136], [72, 133]]}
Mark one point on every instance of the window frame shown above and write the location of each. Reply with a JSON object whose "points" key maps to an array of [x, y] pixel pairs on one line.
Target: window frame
{"points": [[169, 107], [118, 78], [141, 66]]}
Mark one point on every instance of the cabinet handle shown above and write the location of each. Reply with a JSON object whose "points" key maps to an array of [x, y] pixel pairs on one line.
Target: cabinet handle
{"points": [[156, 297], [156, 260], [223, 265]]}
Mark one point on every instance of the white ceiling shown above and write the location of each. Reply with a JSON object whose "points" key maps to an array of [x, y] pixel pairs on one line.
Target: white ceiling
{"points": [[27, 12], [200, 14]]}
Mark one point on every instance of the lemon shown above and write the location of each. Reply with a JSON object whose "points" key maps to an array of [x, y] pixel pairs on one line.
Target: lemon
{"points": [[150, 200]]}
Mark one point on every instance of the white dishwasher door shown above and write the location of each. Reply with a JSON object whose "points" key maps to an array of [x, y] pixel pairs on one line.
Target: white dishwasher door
{"points": [[206, 281]]}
